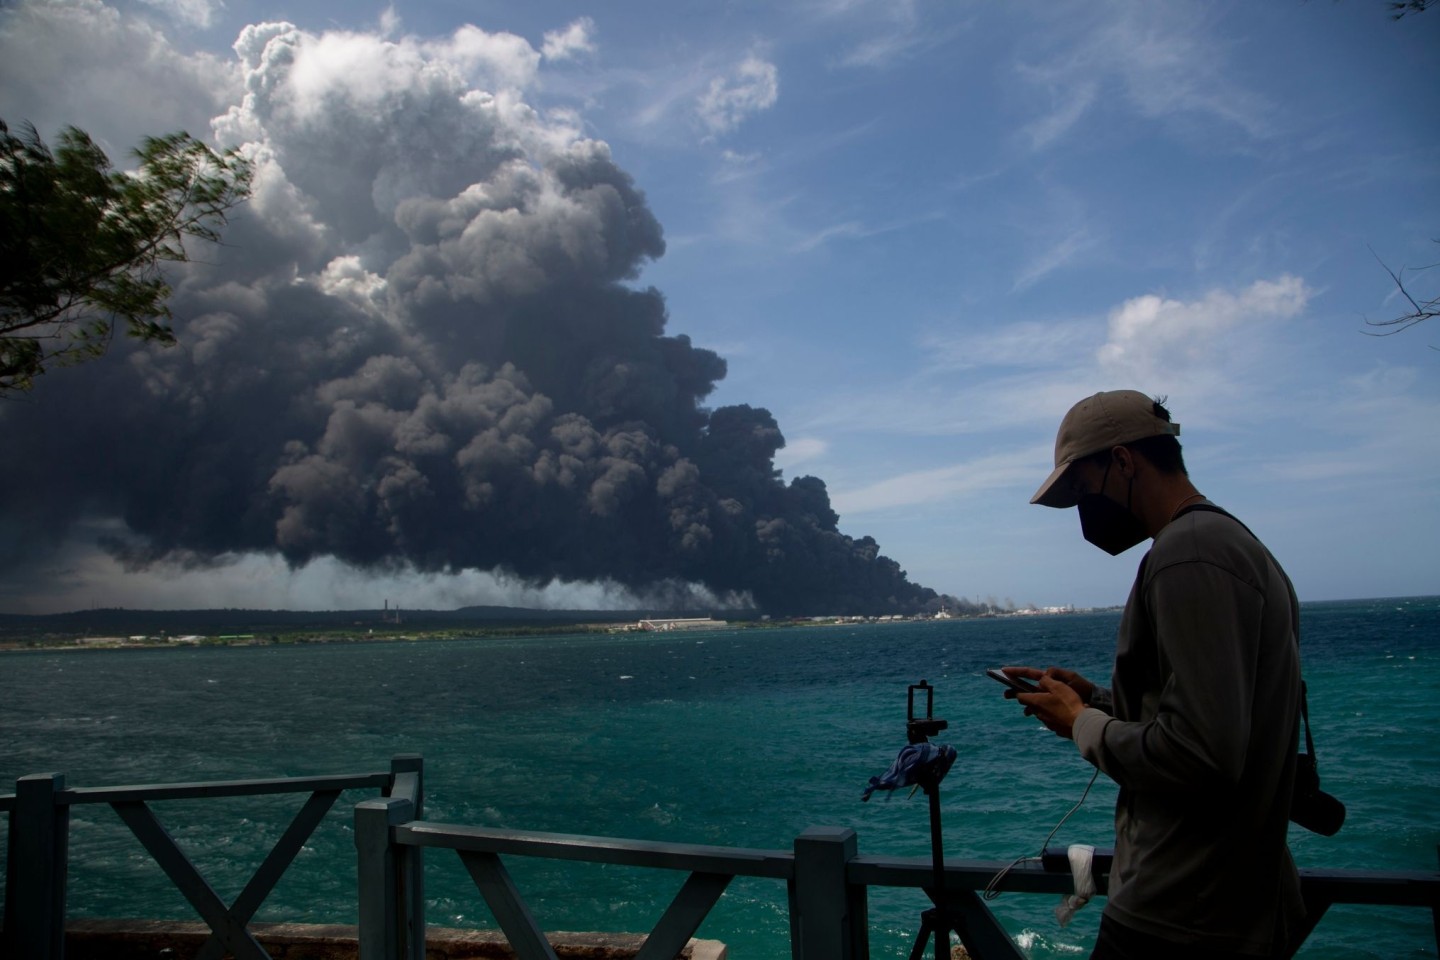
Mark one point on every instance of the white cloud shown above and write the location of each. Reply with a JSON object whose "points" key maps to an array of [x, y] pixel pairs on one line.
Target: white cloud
{"points": [[285, 210], [752, 86], [356, 123], [571, 42], [1154, 340], [796, 452], [346, 279], [496, 60]]}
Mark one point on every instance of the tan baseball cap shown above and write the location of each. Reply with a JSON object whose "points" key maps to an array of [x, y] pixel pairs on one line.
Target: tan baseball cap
{"points": [[1098, 423]]}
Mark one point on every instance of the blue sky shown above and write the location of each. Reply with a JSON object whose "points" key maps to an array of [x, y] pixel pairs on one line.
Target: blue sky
{"points": [[918, 232]]}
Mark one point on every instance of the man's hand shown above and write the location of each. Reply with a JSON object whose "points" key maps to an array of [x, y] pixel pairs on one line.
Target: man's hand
{"points": [[1063, 695]]}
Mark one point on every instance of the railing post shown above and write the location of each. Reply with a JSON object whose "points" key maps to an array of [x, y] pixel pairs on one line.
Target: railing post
{"points": [[828, 921], [38, 861], [407, 780], [386, 929]]}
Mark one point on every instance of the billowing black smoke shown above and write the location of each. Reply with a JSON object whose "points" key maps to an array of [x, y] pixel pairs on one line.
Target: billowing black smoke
{"points": [[419, 349]]}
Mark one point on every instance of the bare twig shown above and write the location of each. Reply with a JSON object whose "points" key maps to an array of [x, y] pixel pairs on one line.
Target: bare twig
{"points": [[1421, 309]]}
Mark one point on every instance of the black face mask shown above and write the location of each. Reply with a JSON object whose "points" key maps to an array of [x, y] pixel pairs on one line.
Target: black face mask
{"points": [[1108, 525]]}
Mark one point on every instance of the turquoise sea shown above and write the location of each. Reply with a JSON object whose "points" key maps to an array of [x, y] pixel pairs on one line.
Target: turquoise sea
{"points": [[741, 737]]}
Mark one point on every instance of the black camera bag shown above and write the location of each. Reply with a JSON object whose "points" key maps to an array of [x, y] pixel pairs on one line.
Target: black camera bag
{"points": [[1311, 807]]}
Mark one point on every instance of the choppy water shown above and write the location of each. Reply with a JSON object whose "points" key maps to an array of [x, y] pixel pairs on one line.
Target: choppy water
{"points": [[740, 738]]}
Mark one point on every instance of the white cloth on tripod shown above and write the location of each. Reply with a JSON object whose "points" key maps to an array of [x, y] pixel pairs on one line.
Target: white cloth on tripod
{"points": [[1082, 858], [917, 763]]}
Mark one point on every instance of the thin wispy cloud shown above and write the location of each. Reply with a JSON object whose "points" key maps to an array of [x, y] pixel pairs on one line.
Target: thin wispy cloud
{"points": [[880, 34], [735, 165], [679, 101], [927, 405], [1158, 61], [752, 86], [1070, 99], [1169, 65], [825, 235], [1045, 344], [950, 483], [196, 13], [1065, 251]]}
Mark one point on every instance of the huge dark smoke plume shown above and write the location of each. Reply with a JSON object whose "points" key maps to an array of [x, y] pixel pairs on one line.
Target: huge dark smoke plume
{"points": [[420, 348]]}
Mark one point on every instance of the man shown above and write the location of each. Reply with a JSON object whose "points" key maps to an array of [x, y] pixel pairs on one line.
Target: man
{"points": [[1200, 726]]}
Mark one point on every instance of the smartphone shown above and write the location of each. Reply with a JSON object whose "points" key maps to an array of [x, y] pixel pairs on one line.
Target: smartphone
{"points": [[1014, 683]]}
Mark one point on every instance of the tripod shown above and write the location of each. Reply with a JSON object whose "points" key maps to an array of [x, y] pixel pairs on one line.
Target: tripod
{"points": [[958, 911], [938, 919]]}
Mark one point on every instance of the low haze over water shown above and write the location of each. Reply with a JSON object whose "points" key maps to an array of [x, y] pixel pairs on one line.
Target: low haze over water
{"points": [[740, 738]]}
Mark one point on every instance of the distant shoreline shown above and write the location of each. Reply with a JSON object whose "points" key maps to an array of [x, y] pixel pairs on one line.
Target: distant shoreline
{"points": [[30, 637], [153, 643], [122, 629]]}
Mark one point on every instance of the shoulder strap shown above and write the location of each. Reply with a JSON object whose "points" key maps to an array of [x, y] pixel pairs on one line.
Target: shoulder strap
{"points": [[1305, 717], [1211, 508], [1304, 708]]}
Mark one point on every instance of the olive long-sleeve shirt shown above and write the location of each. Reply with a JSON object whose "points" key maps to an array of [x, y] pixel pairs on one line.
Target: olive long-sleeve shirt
{"points": [[1200, 730]]}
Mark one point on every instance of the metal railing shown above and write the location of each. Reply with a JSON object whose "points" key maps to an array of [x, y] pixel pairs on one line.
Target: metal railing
{"points": [[827, 881], [827, 884], [39, 850]]}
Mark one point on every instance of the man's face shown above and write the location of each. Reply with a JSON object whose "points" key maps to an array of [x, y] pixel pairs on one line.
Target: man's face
{"points": [[1086, 477], [1106, 520]]}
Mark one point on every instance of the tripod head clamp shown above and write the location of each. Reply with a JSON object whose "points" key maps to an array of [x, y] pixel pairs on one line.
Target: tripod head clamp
{"points": [[919, 729]]}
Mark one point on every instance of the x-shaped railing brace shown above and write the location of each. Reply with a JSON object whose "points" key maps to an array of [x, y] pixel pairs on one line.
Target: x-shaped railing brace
{"points": [[674, 929], [227, 924]]}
